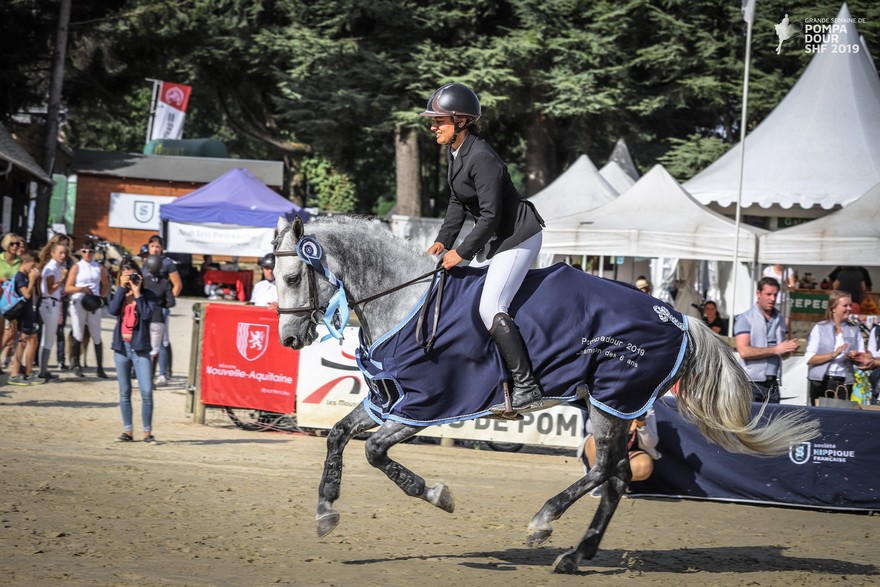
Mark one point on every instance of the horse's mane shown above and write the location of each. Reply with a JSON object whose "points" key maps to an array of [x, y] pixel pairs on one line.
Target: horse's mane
{"points": [[365, 244]]}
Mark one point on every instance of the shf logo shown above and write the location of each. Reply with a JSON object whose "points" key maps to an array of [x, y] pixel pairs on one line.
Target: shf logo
{"points": [[252, 340], [800, 453]]}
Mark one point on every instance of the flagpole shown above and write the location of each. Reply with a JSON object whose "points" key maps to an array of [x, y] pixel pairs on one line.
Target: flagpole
{"points": [[748, 7], [156, 85]]}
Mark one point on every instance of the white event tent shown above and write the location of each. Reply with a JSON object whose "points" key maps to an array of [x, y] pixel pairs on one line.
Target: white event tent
{"points": [[850, 236], [578, 189], [819, 147], [654, 218]]}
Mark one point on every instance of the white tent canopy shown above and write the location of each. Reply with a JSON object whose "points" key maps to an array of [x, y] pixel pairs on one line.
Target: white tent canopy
{"points": [[617, 177], [820, 146], [654, 218], [578, 189], [846, 237]]}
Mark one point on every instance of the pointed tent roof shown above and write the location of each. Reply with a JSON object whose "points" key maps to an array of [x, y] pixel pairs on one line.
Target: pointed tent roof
{"points": [[617, 177], [820, 145], [669, 223], [839, 238], [579, 188], [236, 197], [622, 157]]}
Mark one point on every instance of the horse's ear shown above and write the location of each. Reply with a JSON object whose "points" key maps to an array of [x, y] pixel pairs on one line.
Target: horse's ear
{"points": [[298, 229]]}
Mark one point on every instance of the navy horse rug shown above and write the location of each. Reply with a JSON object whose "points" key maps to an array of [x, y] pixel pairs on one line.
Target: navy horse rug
{"points": [[584, 333]]}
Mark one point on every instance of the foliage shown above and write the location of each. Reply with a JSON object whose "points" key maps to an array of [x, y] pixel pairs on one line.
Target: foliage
{"points": [[322, 85], [334, 191]]}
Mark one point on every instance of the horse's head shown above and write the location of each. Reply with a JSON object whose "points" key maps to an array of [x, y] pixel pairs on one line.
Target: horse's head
{"points": [[302, 295]]}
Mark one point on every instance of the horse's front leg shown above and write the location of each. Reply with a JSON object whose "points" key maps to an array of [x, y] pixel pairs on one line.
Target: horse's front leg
{"points": [[356, 422], [612, 470], [378, 445]]}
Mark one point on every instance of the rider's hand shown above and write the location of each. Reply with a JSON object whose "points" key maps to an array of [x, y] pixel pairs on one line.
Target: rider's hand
{"points": [[451, 259], [436, 249]]}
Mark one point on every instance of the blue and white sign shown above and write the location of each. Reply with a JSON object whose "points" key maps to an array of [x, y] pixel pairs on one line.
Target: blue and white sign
{"points": [[136, 210]]}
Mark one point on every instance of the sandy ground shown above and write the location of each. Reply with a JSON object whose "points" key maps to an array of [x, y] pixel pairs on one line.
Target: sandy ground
{"points": [[215, 505]]}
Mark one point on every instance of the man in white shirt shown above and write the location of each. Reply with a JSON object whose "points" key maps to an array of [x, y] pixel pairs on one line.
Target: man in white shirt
{"points": [[265, 293]]}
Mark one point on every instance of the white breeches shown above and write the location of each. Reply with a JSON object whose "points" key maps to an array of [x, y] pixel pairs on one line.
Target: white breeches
{"points": [[506, 273], [50, 313], [79, 319]]}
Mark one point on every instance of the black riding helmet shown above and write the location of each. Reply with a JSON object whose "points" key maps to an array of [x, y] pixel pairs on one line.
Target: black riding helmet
{"points": [[154, 264], [455, 100], [267, 261]]}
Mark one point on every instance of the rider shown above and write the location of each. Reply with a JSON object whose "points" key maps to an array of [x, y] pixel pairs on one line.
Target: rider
{"points": [[507, 231]]}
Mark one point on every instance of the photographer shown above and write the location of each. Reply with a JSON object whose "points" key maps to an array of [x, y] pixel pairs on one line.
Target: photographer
{"points": [[133, 307]]}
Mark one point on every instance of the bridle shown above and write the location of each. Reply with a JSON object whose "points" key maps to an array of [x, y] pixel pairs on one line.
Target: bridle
{"points": [[335, 313]]}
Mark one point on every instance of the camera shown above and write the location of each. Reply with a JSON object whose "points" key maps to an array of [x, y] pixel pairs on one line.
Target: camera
{"points": [[135, 278]]}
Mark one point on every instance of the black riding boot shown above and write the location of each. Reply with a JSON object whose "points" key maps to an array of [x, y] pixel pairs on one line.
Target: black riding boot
{"points": [[75, 350], [525, 392], [99, 359]]}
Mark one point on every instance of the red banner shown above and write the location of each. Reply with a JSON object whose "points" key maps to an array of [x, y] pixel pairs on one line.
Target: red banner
{"points": [[243, 362]]}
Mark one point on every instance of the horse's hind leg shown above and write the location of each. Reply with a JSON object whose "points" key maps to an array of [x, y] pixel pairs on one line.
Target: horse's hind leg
{"points": [[356, 422], [378, 445], [612, 470]]}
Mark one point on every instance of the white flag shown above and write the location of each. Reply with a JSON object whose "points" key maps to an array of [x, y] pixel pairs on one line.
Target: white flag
{"points": [[170, 111], [748, 8]]}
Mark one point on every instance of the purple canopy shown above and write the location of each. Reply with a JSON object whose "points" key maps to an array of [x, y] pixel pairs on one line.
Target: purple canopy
{"points": [[236, 197]]}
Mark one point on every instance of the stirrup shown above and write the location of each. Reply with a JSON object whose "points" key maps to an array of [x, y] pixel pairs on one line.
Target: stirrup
{"points": [[506, 411]]}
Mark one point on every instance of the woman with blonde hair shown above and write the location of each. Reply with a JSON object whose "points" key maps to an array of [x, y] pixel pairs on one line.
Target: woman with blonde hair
{"points": [[833, 348], [53, 275], [12, 245]]}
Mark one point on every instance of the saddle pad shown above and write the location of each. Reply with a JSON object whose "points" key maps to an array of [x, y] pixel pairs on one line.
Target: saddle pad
{"points": [[623, 344]]}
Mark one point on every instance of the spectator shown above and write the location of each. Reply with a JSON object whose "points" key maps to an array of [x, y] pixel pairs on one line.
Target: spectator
{"points": [[643, 284], [86, 278], [713, 319], [53, 277], [45, 257], [166, 270], [761, 342], [133, 307], [26, 285], [833, 346], [641, 445], [874, 349], [787, 281], [265, 293], [852, 279], [12, 245]]}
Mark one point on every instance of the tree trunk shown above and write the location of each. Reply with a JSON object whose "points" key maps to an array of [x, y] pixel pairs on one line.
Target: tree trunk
{"points": [[540, 154], [50, 143], [409, 193]]}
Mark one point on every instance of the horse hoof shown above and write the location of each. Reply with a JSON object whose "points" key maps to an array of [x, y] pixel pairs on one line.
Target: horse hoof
{"points": [[441, 496], [539, 537], [327, 523], [566, 563]]}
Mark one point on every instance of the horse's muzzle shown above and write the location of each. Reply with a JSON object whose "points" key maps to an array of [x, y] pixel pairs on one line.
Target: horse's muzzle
{"points": [[293, 342]]}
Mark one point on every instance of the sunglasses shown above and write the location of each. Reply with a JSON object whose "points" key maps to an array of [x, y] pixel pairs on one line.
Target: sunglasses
{"points": [[19, 244], [87, 250]]}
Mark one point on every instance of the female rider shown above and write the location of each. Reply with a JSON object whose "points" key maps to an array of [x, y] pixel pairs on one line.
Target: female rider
{"points": [[507, 231]]}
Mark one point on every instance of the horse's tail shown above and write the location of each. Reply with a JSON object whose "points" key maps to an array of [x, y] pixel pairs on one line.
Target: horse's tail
{"points": [[715, 394]]}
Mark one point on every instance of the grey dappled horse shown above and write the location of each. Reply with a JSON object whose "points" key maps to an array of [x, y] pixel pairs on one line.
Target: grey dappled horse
{"points": [[714, 392]]}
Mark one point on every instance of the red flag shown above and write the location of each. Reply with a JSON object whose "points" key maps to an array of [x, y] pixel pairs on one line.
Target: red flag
{"points": [[170, 111]]}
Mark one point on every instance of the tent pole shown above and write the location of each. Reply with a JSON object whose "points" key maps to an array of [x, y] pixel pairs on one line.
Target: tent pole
{"points": [[748, 16]]}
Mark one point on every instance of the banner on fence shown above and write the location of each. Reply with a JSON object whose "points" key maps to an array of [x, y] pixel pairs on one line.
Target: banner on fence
{"points": [[243, 362]]}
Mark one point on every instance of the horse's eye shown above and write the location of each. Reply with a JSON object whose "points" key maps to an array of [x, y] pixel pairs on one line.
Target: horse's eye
{"points": [[293, 280]]}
